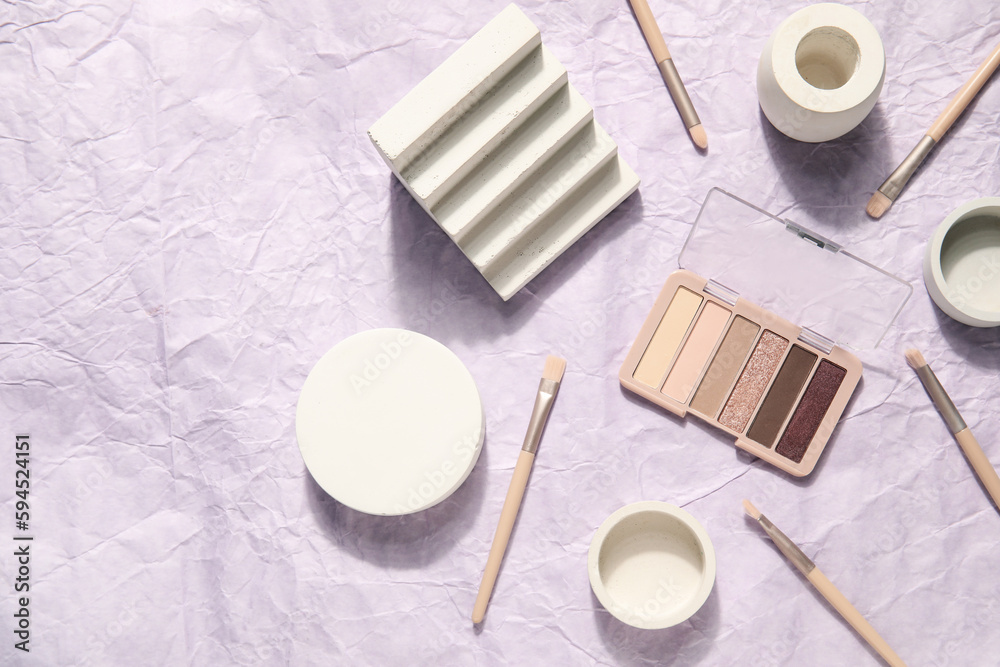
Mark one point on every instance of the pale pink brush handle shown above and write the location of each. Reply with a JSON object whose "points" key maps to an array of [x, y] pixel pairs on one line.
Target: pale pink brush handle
{"points": [[964, 96], [853, 616], [977, 457], [507, 515], [651, 31]]}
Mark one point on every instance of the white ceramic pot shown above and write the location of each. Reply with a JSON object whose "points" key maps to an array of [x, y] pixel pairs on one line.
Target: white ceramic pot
{"points": [[821, 72]]}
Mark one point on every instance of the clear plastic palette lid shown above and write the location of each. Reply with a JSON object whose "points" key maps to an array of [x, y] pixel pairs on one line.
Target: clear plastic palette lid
{"points": [[836, 297]]}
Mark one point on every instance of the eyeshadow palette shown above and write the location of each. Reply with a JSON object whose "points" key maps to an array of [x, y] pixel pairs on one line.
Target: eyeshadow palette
{"points": [[743, 369], [778, 387]]}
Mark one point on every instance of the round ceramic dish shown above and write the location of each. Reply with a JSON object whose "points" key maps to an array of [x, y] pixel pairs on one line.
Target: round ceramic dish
{"points": [[651, 565], [389, 422], [962, 264]]}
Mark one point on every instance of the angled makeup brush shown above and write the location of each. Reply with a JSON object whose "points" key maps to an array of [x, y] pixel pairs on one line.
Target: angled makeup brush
{"points": [[824, 586], [888, 191], [977, 457], [547, 390], [654, 38]]}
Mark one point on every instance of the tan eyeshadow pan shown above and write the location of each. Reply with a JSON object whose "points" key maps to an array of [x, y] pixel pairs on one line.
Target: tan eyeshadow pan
{"points": [[725, 366]]}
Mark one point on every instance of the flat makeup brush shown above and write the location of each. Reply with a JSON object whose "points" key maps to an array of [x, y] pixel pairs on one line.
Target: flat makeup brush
{"points": [[977, 457], [824, 586], [654, 38], [888, 191], [547, 390]]}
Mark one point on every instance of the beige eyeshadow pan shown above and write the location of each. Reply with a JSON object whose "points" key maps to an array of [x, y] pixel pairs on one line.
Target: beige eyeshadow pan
{"points": [[706, 333]]}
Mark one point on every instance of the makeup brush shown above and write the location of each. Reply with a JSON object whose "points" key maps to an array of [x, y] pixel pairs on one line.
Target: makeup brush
{"points": [[547, 390], [977, 457], [654, 38], [888, 191], [824, 586]]}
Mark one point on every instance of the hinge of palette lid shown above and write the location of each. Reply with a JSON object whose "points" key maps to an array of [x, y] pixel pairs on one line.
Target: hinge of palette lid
{"points": [[720, 291], [818, 341], [815, 239]]}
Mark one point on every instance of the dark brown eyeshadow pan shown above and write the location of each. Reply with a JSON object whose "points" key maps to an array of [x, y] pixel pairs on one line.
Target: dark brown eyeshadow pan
{"points": [[781, 397], [812, 408]]}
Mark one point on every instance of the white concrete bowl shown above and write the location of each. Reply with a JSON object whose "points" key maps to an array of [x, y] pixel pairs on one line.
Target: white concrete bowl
{"points": [[962, 263], [652, 565]]}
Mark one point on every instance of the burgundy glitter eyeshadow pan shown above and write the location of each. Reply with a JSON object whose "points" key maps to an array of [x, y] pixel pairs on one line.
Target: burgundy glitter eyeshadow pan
{"points": [[812, 409]]}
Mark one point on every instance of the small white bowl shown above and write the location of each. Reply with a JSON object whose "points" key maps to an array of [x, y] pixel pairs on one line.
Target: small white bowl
{"points": [[651, 565], [962, 264]]}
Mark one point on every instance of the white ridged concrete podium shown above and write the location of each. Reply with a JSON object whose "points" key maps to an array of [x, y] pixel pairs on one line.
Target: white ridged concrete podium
{"points": [[504, 154]]}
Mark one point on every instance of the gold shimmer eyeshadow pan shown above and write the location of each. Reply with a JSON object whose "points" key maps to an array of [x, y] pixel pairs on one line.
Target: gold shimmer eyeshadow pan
{"points": [[742, 369], [754, 379]]}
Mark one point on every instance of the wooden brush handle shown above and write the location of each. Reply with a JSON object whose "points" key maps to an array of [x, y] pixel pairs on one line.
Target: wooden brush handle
{"points": [[964, 96], [854, 617], [650, 30], [977, 457], [507, 515]]}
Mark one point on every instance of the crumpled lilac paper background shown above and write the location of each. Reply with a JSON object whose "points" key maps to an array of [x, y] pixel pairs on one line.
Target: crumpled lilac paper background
{"points": [[192, 215]]}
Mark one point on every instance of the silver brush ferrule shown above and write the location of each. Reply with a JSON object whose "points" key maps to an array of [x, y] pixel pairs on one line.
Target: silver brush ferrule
{"points": [[543, 403], [941, 400], [897, 180], [787, 547], [679, 93]]}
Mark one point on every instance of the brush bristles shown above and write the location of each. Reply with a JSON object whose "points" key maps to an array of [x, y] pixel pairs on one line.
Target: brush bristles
{"points": [[878, 205], [915, 359], [751, 511], [554, 368], [699, 136]]}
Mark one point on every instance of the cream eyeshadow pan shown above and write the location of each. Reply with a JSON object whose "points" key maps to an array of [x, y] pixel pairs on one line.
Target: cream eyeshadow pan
{"points": [[742, 369], [667, 337]]}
